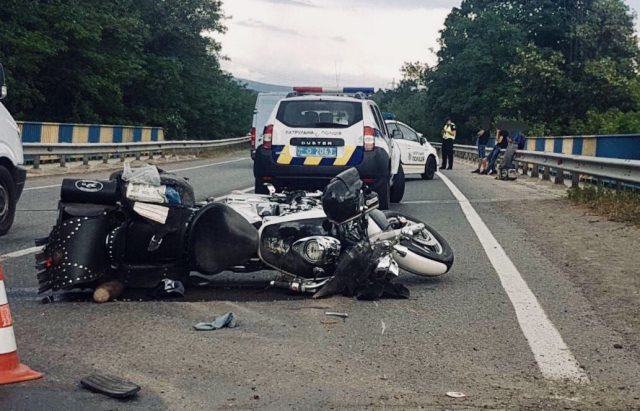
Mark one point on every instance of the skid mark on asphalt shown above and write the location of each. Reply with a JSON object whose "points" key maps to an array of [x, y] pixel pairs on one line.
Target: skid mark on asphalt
{"points": [[554, 358]]}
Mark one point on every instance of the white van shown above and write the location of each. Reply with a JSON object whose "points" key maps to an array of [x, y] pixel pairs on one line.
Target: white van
{"points": [[12, 172], [264, 106]]}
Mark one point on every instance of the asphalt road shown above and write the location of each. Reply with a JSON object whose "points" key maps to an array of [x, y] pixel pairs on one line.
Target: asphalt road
{"points": [[474, 330]]}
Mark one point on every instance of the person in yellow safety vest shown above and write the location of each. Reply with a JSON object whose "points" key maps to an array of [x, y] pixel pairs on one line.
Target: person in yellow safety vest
{"points": [[448, 136]]}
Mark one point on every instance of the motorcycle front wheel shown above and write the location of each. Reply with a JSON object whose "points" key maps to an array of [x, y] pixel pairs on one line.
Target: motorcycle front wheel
{"points": [[428, 253]]}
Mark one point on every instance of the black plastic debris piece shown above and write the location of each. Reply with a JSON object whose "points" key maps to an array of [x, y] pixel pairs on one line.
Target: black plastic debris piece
{"points": [[109, 385], [48, 299], [168, 288]]}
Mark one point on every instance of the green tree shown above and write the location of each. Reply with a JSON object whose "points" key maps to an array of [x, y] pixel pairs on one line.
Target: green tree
{"points": [[554, 64], [122, 62]]}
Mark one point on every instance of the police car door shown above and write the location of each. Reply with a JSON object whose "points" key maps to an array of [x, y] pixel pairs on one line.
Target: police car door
{"points": [[413, 153]]}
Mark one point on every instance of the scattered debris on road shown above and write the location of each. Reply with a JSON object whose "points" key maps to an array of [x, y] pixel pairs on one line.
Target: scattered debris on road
{"points": [[168, 288], [455, 394], [48, 299], [329, 322], [109, 385], [108, 291], [227, 320], [335, 314]]}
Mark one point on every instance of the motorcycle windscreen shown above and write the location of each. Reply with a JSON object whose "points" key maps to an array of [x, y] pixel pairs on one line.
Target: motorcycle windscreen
{"points": [[220, 238]]}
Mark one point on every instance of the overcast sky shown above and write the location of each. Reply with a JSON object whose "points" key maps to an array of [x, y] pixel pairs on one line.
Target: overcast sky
{"points": [[331, 42]]}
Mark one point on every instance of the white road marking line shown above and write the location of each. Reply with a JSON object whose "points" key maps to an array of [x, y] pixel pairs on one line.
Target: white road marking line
{"points": [[20, 253], [480, 200], [555, 360], [32, 250], [173, 171], [41, 187], [211, 165]]}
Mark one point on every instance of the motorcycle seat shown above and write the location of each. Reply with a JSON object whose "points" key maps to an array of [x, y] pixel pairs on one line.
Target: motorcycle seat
{"points": [[220, 238]]}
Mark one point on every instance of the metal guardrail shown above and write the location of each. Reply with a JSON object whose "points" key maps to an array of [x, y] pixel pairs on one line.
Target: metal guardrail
{"points": [[122, 150], [612, 169]]}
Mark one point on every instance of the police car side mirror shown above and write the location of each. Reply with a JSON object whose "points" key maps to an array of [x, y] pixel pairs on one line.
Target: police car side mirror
{"points": [[423, 141], [396, 134], [3, 86]]}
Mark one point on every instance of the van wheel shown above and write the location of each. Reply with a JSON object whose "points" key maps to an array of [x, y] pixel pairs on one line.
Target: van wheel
{"points": [[260, 188], [7, 201], [384, 194], [397, 189], [429, 169]]}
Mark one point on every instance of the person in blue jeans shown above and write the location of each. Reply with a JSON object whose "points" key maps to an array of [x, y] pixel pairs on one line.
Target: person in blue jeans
{"points": [[483, 140], [501, 143]]}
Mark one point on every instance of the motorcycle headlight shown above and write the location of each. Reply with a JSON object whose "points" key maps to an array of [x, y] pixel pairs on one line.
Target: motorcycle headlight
{"points": [[318, 249], [312, 250]]}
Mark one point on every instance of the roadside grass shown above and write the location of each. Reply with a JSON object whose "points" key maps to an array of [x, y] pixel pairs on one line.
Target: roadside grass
{"points": [[617, 205]]}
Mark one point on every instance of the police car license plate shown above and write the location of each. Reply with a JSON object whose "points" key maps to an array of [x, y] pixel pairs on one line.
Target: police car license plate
{"points": [[317, 151]]}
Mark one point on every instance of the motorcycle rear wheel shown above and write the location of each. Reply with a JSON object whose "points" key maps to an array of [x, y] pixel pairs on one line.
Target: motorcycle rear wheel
{"points": [[428, 254]]}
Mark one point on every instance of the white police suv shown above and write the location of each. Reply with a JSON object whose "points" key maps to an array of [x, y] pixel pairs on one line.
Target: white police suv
{"points": [[315, 133], [417, 156]]}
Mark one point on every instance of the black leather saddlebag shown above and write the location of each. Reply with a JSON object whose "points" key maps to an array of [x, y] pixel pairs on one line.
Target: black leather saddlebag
{"points": [[220, 238], [142, 241], [89, 191], [75, 253]]}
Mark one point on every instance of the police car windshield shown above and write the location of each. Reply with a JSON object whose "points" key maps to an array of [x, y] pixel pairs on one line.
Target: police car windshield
{"points": [[319, 113]]}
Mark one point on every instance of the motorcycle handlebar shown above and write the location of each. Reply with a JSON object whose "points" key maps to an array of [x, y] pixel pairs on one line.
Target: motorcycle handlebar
{"points": [[395, 234], [280, 284]]}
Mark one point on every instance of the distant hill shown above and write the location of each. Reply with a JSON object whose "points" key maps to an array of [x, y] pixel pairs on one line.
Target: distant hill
{"points": [[262, 87]]}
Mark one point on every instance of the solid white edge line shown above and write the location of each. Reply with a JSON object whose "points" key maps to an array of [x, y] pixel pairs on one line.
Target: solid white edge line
{"points": [[7, 340], [555, 360], [32, 250], [20, 253]]}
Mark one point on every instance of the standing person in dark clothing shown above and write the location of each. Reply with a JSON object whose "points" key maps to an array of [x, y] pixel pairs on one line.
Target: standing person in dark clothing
{"points": [[501, 143], [448, 136], [483, 140]]}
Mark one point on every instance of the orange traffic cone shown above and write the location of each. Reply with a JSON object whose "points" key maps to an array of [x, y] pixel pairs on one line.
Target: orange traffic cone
{"points": [[10, 368]]}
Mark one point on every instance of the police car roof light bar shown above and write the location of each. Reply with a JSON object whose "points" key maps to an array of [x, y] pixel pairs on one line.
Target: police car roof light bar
{"points": [[334, 90]]}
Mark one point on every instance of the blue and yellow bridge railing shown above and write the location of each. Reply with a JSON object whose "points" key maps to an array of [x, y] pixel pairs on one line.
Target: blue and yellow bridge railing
{"points": [[52, 133], [622, 146]]}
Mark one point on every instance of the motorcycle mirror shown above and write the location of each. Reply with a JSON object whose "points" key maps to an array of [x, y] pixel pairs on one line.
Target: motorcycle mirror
{"points": [[271, 188]]}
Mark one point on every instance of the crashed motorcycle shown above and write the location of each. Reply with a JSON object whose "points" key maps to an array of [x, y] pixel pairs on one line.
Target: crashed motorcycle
{"points": [[324, 243]]}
